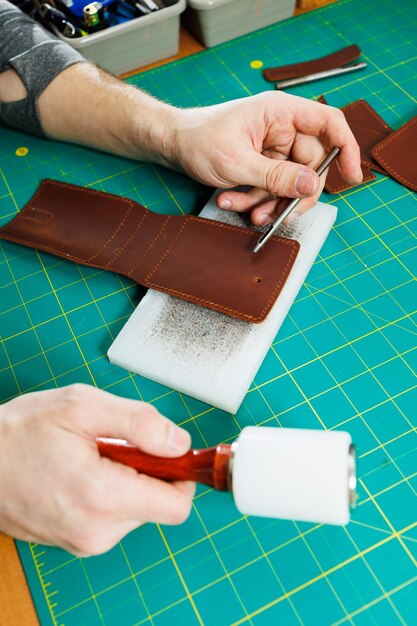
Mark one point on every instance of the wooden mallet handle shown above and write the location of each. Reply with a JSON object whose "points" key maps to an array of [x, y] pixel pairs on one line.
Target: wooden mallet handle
{"points": [[209, 466]]}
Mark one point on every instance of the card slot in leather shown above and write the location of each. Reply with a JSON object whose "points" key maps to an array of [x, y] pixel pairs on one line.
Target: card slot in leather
{"points": [[145, 258], [77, 225], [199, 260]]}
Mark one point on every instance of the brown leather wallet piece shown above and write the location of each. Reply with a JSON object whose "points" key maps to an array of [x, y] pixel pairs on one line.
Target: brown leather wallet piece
{"points": [[206, 262], [336, 184], [369, 129], [328, 62], [396, 154]]}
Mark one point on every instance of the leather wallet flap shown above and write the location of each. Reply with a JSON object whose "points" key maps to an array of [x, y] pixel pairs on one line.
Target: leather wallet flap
{"points": [[206, 262]]}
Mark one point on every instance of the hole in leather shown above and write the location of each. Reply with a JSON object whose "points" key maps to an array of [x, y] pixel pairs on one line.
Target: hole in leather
{"points": [[258, 279]]}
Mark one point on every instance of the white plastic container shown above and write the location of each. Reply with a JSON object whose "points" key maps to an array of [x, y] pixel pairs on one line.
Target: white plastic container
{"points": [[216, 21], [127, 46]]}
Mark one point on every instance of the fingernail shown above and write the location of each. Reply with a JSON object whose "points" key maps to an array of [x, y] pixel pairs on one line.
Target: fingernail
{"points": [[305, 183], [264, 219], [178, 439], [225, 204]]}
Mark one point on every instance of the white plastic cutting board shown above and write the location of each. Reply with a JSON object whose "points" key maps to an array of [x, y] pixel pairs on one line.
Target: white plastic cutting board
{"points": [[205, 354]]}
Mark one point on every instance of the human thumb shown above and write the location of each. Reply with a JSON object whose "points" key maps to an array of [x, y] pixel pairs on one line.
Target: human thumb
{"points": [[281, 178]]}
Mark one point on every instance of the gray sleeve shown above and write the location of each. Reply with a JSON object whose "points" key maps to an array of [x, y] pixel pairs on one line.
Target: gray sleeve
{"points": [[37, 57]]}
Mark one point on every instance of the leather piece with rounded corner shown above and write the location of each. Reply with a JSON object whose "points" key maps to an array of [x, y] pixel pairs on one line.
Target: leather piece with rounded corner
{"points": [[369, 128], [396, 154], [206, 262]]}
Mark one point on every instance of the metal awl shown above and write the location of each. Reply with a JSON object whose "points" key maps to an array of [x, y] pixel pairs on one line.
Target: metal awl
{"points": [[273, 227], [309, 78]]}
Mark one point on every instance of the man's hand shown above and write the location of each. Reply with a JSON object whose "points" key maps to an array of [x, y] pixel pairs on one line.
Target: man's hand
{"points": [[272, 142], [56, 489]]}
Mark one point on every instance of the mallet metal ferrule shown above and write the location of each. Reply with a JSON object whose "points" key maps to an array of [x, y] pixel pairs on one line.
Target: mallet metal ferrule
{"points": [[273, 227], [309, 78]]}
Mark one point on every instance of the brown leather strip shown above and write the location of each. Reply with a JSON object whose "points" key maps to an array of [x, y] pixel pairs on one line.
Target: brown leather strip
{"points": [[328, 62], [396, 154], [206, 262]]}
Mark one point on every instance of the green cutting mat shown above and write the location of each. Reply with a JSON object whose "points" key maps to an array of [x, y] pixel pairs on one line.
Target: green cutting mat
{"points": [[346, 357]]}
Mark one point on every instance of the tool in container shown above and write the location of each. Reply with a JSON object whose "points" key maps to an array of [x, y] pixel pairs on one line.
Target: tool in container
{"points": [[291, 206], [285, 473], [94, 17], [51, 15]]}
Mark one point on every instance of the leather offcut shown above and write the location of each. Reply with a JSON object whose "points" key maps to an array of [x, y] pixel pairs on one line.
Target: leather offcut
{"points": [[369, 129], [195, 259], [396, 154], [328, 62]]}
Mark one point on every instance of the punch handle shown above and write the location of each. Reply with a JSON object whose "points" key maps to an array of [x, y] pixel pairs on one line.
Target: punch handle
{"points": [[209, 466]]}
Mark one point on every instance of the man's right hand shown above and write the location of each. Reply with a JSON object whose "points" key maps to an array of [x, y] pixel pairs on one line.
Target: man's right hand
{"points": [[56, 489]]}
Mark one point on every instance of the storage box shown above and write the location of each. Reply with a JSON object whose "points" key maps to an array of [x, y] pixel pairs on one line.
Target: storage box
{"points": [[216, 21], [127, 46]]}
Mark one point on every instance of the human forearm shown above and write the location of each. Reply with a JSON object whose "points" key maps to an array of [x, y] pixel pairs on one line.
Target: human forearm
{"points": [[108, 114]]}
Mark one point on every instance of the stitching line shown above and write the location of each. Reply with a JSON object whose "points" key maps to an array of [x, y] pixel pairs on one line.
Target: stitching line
{"points": [[151, 245], [284, 273], [346, 186], [236, 313], [228, 310], [44, 248], [167, 251], [30, 218], [115, 232], [361, 103], [129, 240], [376, 152]]}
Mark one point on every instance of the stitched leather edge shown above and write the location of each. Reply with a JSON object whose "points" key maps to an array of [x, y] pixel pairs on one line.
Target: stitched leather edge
{"points": [[382, 145], [236, 313], [383, 125], [346, 186], [43, 248], [215, 305], [256, 319], [362, 102], [95, 192], [228, 310]]}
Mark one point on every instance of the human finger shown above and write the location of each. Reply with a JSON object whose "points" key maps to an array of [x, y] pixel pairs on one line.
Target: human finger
{"points": [[101, 414]]}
